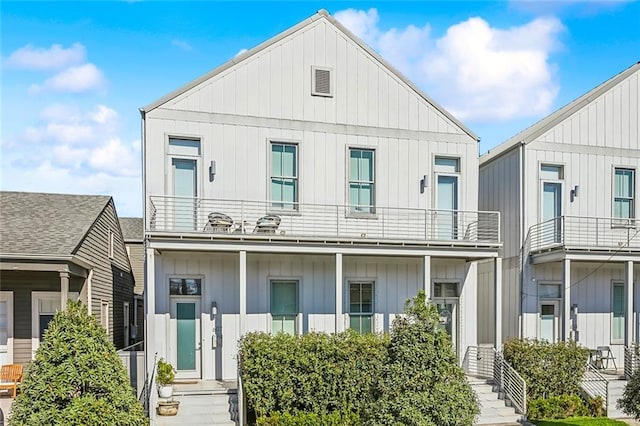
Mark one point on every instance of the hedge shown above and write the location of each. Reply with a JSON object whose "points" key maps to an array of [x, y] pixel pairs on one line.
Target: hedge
{"points": [[337, 418], [562, 407]]}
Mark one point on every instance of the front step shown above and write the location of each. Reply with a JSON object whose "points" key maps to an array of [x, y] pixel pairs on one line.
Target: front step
{"points": [[219, 407], [493, 409]]}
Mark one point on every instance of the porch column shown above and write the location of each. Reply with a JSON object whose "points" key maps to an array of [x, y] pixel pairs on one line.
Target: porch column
{"points": [[629, 308], [64, 289], [243, 291], [426, 276], [339, 319], [497, 300], [566, 308]]}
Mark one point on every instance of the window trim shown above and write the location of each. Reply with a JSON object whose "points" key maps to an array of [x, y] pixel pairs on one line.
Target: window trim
{"points": [[541, 182], [623, 222], [111, 243], [372, 313], [350, 211], [104, 319], [331, 81], [169, 156], [438, 172], [298, 281], [618, 283], [7, 297], [126, 316], [296, 202], [36, 296]]}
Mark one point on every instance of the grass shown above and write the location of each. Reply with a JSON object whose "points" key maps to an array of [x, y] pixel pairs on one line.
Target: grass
{"points": [[580, 421]]}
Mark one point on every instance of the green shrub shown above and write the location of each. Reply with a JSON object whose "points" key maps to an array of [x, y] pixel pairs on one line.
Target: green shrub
{"points": [[337, 418], [314, 373], [550, 369], [557, 407], [422, 384], [166, 373], [630, 401], [76, 378]]}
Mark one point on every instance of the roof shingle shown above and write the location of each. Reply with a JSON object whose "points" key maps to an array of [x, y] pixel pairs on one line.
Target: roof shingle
{"points": [[132, 229]]}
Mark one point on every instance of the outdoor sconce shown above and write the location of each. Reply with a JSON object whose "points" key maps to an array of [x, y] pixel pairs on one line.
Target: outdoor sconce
{"points": [[423, 184], [574, 193], [212, 170]]}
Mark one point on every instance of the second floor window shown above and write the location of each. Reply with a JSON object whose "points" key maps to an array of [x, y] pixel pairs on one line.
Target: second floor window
{"points": [[284, 175], [623, 193], [361, 180]]}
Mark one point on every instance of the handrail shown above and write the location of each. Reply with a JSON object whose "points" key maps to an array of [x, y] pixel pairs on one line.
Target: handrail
{"points": [[192, 215], [631, 359], [141, 342], [594, 385], [478, 361], [511, 383]]}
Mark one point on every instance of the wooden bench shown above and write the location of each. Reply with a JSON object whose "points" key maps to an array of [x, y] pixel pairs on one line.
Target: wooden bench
{"points": [[10, 376]]}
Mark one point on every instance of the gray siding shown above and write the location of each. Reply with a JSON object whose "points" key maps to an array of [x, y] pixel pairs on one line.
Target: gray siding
{"points": [[112, 278], [136, 259]]}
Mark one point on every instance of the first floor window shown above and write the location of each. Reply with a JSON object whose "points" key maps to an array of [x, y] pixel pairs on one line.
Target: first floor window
{"points": [[361, 180], [284, 175], [623, 193], [617, 312], [361, 306], [284, 307]]}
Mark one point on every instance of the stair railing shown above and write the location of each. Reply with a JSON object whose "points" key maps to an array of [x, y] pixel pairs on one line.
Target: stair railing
{"points": [[595, 385], [631, 359], [478, 361], [511, 383]]}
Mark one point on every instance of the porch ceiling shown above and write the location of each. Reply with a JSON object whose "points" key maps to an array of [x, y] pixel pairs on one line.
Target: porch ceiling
{"points": [[585, 255]]}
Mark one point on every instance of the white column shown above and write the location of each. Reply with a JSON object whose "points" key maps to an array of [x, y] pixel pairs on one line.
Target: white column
{"points": [[64, 289], [243, 291], [497, 300], [150, 310], [566, 308], [89, 292], [629, 308], [426, 276], [339, 317]]}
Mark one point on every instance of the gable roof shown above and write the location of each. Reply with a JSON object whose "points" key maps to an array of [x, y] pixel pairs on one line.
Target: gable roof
{"points": [[132, 229], [46, 224], [536, 130], [321, 14]]}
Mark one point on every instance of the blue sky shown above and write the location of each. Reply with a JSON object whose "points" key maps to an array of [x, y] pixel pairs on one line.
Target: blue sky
{"points": [[75, 74]]}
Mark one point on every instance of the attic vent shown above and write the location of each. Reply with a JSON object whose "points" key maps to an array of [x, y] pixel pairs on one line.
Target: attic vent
{"points": [[322, 82]]}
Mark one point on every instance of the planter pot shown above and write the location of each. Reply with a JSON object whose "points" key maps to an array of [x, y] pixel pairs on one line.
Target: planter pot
{"points": [[167, 408], [165, 391]]}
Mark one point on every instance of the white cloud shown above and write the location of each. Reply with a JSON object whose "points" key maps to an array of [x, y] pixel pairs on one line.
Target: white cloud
{"points": [[478, 72], [182, 45], [53, 58], [117, 159], [83, 78]]}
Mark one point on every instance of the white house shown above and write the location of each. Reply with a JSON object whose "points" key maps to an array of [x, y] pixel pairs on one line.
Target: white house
{"points": [[566, 189], [305, 185]]}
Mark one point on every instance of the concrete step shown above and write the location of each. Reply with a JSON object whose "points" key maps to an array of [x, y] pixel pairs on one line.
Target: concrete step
{"points": [[494, 409]]}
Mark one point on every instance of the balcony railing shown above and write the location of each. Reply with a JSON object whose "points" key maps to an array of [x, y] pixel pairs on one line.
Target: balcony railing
{"points": [[242, 218], [585, 232]]}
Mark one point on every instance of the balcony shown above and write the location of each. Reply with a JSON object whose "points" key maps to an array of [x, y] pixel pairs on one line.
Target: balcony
{"points": [[585, 233], [239, 219]]}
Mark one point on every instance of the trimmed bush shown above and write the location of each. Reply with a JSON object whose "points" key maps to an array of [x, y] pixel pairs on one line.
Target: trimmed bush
{"points": [[550, 369], [76, 378], [557, 407], [337, 418], [314, 373], [422, 384], [630, 401]]}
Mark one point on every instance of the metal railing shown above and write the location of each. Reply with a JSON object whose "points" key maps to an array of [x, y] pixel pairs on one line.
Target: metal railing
{"points": [[191, 215], [478, 361], [585, 232], [631, 359], [595, 385], [511, 383]]}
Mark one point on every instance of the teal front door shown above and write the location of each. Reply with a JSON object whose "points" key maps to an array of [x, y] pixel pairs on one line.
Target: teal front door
{"points": [[185, 328]]}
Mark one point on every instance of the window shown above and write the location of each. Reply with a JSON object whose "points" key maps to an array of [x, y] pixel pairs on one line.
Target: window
{"points": [[185, 286], [549, 291], [104, 314], [551, 172], [623, 193], [284, 175], [322, 81], [445, 290], [361, 180], [361, 306], [126, 316], [617, 312], [447, 164], [284, 307]]}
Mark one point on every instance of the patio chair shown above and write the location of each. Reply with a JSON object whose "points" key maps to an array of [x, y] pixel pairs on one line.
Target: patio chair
{"points": [[606, 355], [218, 222], [267, 224], [10, 377]]}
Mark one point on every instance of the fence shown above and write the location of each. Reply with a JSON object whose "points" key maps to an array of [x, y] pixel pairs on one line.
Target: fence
{"points": [[133, 362]]}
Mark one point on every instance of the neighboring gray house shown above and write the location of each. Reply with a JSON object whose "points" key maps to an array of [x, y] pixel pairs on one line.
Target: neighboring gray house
{"points": [[133, 234], [55, 247], [566, 189]]}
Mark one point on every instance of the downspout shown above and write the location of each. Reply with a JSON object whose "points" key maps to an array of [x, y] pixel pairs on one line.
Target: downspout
{"points": [[522, 234], [89, 302]]}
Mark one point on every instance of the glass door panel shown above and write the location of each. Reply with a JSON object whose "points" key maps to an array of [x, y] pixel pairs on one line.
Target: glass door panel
{"points": [[185, 191], [549, 322], [551, 211], [447, 203]]}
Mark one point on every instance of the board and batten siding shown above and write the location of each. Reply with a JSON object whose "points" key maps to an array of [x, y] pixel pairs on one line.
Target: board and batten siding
{"points": [[136, 259], [112, 279], [395, 281], [276, 82]]}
